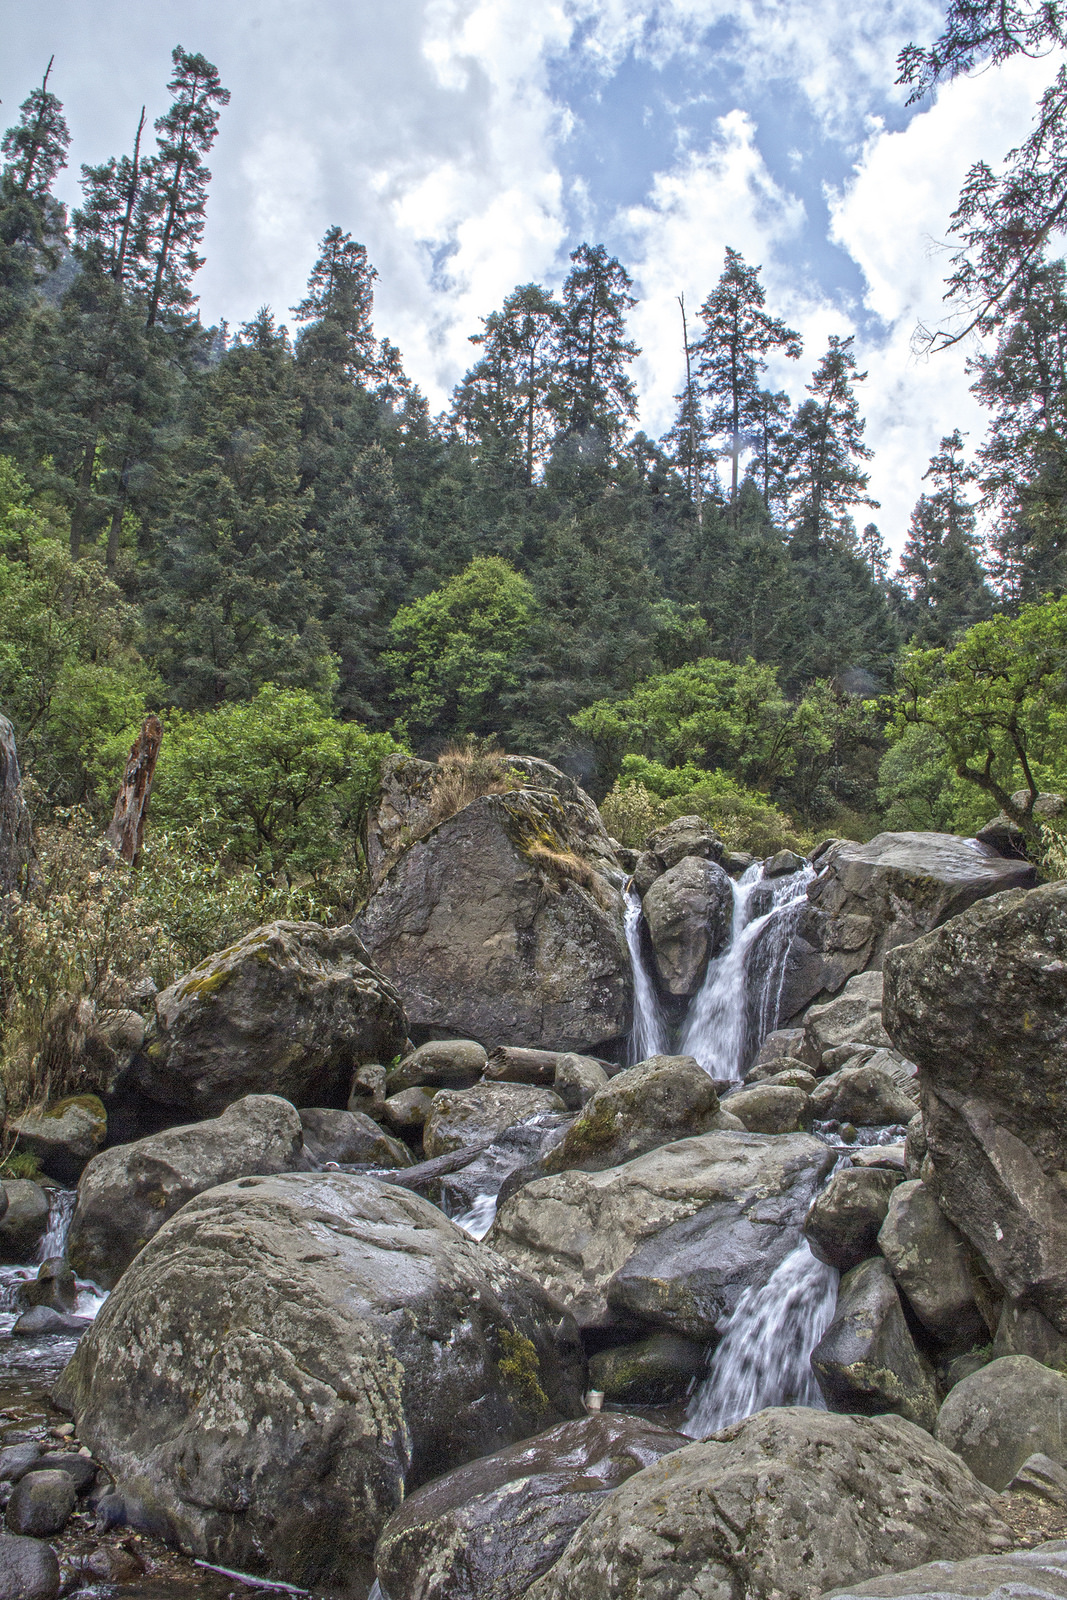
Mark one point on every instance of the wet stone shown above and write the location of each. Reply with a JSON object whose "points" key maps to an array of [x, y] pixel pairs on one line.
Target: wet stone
{"points": [[29, 1569], [41, 1504]]}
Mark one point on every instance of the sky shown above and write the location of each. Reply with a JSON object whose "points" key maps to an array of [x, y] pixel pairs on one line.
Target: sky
{"points": [[472, 144]]}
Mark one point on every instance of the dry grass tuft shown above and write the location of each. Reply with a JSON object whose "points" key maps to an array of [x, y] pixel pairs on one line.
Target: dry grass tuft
{"points": [[466, 772], [561, 867]]}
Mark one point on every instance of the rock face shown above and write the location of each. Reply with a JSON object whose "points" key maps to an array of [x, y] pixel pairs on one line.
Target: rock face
{"points": [[662, 1099], [929, 1262], [777, 1508], [499, 926], [981, 1006], [852, 1019], [995, 1577], [688, 910], [291, 1009], [487, 1530], [1002, 1414], [869, 898], [127, 1193], [842, 1225], [65, 1137], [468, 1116], [290, 1355], [866, 1361], [575, 1231]]}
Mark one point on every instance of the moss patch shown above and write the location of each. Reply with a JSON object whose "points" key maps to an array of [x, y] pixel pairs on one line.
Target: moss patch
{"points": [[520, 1371]]}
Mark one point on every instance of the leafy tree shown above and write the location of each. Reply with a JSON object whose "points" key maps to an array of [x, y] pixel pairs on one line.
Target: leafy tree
{"points": [[594, 393], [918, 789], [939, 565]]}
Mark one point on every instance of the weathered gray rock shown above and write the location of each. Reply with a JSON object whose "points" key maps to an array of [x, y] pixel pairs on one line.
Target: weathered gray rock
{"points": [[367, 1093], [513, 1158], [127, 1193], [576, 1230], [771, 1108], [688, 910], [290, 1356], [685, 836], [929, 1262], [1023, 1331], [42, 1319], [349, 1136], [487, 1530], [650, 1372], [407, 1111], [81, 1470], [915, 1151], [1003, 1413], [23, 1224], [577, 1079], [864, 1096], [647, 868], [842, 1225], [29, 1569], [1042, 1476], [786, 1043], [65, 1137], [782, 864], [794, 1076], [17, 1459], [463, 1117], [516, 1064], [776, 1508], [867, 1360], [291, 1009], [54, 1286], [41, 1504], [981, 1005], [662, 1099], [852, 1019], [1042, 1571], [440, 1064], [1004, 836]]}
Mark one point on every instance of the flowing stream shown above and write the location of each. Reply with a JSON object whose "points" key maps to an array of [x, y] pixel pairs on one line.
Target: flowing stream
{"points": [[649, 1034]]}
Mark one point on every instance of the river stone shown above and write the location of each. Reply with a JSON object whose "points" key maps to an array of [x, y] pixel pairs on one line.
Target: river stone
{"points": [[794, 1076], [41, 1504], [654, 1103], [575, 1230], [127, 1193], [463, 1117], [788, 1044], [654, 1371], [1003, 1413], [54, 1286], [854, 1018], [688, 910], [42, 1319], [1041, 1571], [1023, 1331], [367, 1092], [498, 926], [867, 1361], [29, 1569], [349, 1136], [17, 1459], [1040, 1475], [778, 1507], [65, 1137], [81, 1470], [928, 1259], [771, 1108], [441, 1064], [842, 1225], [24, 1221], [577, 1079], [647, 868], [291, 1356], [407, 1111], [487, 1530], [861, 1095], [291, 1009]]}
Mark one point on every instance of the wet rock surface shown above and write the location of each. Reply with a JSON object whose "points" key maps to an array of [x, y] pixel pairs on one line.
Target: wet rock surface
{"points": [[460, 1117], [929, 1262], [349, 1136], [688, 910], [867, 1360], [661, 1100], [64, 1137], [1042, 1571], [842, 1225]]}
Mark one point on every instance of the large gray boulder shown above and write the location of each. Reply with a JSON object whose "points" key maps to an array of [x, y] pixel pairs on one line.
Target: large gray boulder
{"points": [[350, 1137], [1004, 1413], [929, 1262], [487, 1530], [842, 1225], [853, 1019], [291, 1009], [439, 1064], [776, 1107], [662, 1099], [688, 910], [867, 1360], [500, 925], [64, 1137], [23, 1220], [460, 1117], [778, 1507], [685, 836], [981, 1006], [862, 1095], [869, 898], [1042, 1571], [29, 1569], [127, 1193], [290, 1356], [576, 1230]]}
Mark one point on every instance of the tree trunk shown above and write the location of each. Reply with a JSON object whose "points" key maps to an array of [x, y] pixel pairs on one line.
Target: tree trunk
{"points": [[126, 831], [15, 832]]}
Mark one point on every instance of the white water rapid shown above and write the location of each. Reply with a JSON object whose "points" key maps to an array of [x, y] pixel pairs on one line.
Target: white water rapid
{"points": [[61, 1203], [648, 1035]]}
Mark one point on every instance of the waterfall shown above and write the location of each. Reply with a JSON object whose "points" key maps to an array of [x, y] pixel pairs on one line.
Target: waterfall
{"points": [[648, 1036], [737, 1005], [479, 1219], [61, 1203], [765, 1355]]}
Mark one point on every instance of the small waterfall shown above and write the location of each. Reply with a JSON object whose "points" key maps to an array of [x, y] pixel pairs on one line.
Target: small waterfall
{"points": [[737, 1006], [765, 1355], [479, 1219], [648, 1036], [61, 1203]]}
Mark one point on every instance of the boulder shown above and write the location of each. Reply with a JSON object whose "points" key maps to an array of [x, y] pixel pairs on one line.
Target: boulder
{"points": [[25, 1220], [793, 1075], [928, 1259], [788, 1043], [577, 1079], [662, 1099], [1042, 1571], [41, 1504], [54, 1286], [576, 1230], [1042, 1476], [1023, 1331], [771, 1108], [291, 1356], [853, 1019], [867, 1360], [407, 1111], [862, 1095], [685, 836], [367, 1091], [127, 1193], [688, 911], [43, 1320], [842, 1225], [349, 1136], [782, 865], [29, 1569], [1004, 836], [514, 1154], [915, 1150], [778, 1507], [464, 1117], [487, 1530], [647, 868], [655, 1371], [498, 925], [441, 1064], [81, 1470], [981, 1006], [291, 1009], [17, 1459], [65, 1137], [1002, 1414]]}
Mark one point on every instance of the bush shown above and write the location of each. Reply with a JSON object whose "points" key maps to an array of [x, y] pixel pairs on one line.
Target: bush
{"points": [[647, 795]]}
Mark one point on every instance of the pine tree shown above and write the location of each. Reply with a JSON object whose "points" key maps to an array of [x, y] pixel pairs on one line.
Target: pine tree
{"points": [[770, 441], [503, 405], [826, 445], [939, 566], [336, 311], [594, 394]]}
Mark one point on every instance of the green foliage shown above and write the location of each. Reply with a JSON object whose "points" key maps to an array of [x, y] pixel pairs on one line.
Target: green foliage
{"points": [[647, 794], [918, 790]]}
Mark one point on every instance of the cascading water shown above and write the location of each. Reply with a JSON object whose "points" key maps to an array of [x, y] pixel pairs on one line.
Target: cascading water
{"points": [[61, 1203], [648, 1035]]}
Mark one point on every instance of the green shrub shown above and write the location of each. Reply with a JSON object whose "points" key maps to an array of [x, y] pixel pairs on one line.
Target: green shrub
{"points": [[648, 794]]}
